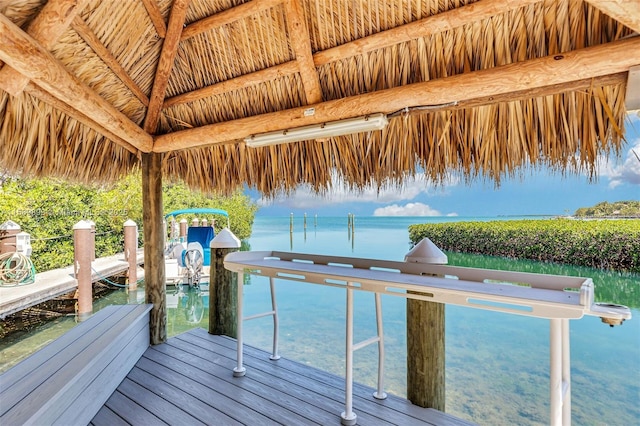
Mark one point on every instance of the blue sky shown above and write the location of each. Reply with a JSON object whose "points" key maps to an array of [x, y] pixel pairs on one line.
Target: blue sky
{"points": [[537, 192]]}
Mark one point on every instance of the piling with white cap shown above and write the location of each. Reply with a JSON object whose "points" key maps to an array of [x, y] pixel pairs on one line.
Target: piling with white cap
{"points": [[223, 290], [425, 338]]}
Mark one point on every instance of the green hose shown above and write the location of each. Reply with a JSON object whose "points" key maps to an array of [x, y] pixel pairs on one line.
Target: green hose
{"points": [[16, 269]]}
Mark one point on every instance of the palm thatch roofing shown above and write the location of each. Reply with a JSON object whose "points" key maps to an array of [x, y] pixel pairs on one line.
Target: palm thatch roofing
{"points": [[482, 88]]}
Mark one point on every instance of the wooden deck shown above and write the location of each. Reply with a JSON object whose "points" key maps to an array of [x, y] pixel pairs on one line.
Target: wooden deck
{"points": [[189, 381], [54, 283]]}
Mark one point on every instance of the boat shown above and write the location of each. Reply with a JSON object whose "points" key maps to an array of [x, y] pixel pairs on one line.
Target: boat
{"points": [[187, 251]]}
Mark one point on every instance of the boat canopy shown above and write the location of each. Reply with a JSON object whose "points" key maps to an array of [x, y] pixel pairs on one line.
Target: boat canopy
{"points": [[197, 211], [200, 210]]}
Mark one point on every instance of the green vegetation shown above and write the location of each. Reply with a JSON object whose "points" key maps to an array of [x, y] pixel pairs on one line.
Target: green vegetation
{"points": [[604, 244], [48, 209], [605, 209]]}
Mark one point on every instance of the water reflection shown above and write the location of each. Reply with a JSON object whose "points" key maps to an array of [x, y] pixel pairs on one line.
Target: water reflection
{"points": [[187, 307]]}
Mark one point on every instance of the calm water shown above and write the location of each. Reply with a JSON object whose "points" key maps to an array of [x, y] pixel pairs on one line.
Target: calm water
{"points": [[497, 365]]}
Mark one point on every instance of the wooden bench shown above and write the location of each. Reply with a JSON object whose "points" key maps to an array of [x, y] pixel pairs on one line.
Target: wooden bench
{"points": [[69, 380]]}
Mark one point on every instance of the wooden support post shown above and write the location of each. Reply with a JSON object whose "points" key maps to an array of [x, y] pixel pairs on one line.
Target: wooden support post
{"points": [[8, 232], [425, 354], [131, 252], [92, 249], [82, 244], [223, 287], [154, 273], [183, 230]]}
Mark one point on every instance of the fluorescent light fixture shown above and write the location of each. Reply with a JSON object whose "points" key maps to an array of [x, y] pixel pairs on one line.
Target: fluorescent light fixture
{"points": [[319, 131]]}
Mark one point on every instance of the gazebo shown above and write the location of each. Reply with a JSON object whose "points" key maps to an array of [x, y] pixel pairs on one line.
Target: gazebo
{"points": [[273, 94]]}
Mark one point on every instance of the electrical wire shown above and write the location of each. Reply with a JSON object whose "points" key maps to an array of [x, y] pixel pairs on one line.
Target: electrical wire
{"points": [[16, 269]]}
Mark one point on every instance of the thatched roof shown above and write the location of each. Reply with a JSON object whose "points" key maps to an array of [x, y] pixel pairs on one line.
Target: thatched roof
{"points": [[483, 88]]}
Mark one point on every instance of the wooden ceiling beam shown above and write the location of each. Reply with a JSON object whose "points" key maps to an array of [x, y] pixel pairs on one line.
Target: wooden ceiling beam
{"points": [[240, 82], [522, 79], [83, 30], [441, 22], [227, 16], [301, 44], [165, 64], [46, 28], [28, 57], [156, 17], [627, 12], [444, 21]]}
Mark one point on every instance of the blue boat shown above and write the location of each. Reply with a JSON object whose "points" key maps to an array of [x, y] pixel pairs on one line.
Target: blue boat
{"points": [[188, 252]]}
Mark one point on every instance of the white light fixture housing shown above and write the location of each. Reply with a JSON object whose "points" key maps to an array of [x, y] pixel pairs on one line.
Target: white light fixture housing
{"points": [[319, 131]]}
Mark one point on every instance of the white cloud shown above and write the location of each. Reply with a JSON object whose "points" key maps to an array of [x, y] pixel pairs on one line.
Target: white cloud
{"points": [[627, 172], [304, 197], [409, 209]]}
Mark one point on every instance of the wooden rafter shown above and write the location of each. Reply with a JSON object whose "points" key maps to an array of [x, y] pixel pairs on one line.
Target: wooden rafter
{"points": [[240, 82], [226, 17], [46, 28], [454, 18], [35, 62], [522, 78], [444, 21], [101, 50], [38, 93], [156, 17], [165, 64], [301, 44], [627, 12]]}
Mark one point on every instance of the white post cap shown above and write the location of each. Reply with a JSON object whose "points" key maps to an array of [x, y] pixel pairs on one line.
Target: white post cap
{"points": [[10, 225], [225, 239], [130, 222], [426, 252], [83, 224]]}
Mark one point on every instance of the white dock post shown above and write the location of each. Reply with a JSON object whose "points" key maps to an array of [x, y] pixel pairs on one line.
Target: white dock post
{"points": [[82, 244], [566, 373], [560, 374], [131, 252], [348, 417], [380, 393], [239, 370]]}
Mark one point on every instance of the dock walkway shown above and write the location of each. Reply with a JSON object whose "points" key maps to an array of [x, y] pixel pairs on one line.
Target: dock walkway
{"points": [[189, 380], [54, 283]]}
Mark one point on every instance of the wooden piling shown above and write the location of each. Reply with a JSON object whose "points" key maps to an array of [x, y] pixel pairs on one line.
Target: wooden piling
{"points": [[222, 296], [82, 245], [223, 287], [183, 229], [8, 232], [425, 354], [152, 222], [131, 252]]}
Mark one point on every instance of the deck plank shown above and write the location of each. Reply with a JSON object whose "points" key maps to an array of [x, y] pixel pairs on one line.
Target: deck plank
{"points": [[359, 391], [327, 397], [47, 388], [204, 400], [166, 410], [106, 417], [193, 373], [243, 405], [56, 282], [131, 412]]}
